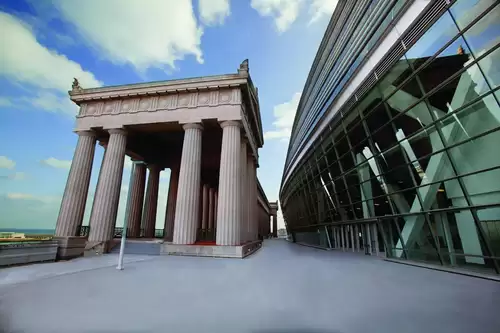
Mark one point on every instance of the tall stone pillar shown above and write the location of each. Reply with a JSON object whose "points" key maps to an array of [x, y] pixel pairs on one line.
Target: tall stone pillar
{"points": [[216, 202], [171, 200], [188, 194], [211, 208], [107, 196], [342, 239], [151, 201], [275, 225], [253, 218], [229, 205], [77, 186], [204, 208], [136, 200], [356, 232], [244, 234]]}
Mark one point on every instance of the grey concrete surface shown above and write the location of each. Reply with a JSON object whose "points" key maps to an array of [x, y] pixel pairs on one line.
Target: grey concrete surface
{"points": [[283, 287]]}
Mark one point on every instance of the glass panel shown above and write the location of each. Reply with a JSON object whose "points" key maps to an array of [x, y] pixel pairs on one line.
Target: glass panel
{"points": [[447, 63], [490, 66], [342, 147], [411, 121], [438, 169], [484, 35], [422, 245], [478, 118], [465, 11], [483, 188], [421, 145], [461, 90], [490, 222], [397, 74], [377, 118], [437, 36]]}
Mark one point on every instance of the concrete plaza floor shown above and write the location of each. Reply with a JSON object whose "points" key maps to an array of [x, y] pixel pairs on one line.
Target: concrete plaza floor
{"points": [[284, 287]]}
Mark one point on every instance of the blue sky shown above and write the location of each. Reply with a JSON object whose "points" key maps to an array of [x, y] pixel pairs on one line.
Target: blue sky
{"points": [[44, 44]]}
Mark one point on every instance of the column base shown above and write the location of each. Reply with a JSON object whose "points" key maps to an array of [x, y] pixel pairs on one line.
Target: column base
{"points": [[219, 251], [99, 248], [69, 247]]}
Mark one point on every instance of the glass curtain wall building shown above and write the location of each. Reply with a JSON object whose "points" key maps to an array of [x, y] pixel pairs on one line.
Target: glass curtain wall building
{"points": [[395, 148]]}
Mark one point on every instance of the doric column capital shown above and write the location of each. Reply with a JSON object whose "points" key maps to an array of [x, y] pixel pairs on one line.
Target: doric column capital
{"points": [[192, 125], [117, 131], [227, 123], [86, 133]]}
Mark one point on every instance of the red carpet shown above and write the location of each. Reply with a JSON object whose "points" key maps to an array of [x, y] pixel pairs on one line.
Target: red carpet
{"points": [[205, 243]]}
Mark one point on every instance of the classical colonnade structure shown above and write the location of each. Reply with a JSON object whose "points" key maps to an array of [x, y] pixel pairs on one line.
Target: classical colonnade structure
{"points": [[207, 130]]}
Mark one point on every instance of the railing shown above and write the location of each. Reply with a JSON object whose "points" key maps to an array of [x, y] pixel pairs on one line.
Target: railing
{"points": [[159, 233], [85, 229]]}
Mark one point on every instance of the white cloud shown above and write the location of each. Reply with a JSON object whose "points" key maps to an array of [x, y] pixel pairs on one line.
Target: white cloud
{"points": [[143, 34], [51, 102], [45, 100], [284, 12], [47, 199], [320, 8], [24, 60], [5, 101], [58, 164], [284, 115], [213, 12], [6, 163], [17, 176]]}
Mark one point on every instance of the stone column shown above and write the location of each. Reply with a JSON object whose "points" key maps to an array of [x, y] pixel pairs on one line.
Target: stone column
{"points": [[204, 208], [151, 201], [136, 200], [229, 205], [346, 230], [342, 239], [107, 196], [171, 200], [244, 234], [188, 194], [351, 230], [253, 218], [275, 226], [375, 245], [216, 202], [211, 208], [77, 186], [368, 240], [356, 231]]}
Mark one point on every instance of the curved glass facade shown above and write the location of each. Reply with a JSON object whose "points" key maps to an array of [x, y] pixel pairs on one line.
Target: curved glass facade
{"points": [[412, 170]]}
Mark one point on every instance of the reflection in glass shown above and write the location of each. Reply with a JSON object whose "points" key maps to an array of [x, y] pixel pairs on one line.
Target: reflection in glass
{"points": [[465, 11], [490, 65], [410, 153], [435, 38], [458, 92], [450, 61], [395, 152], [484, 35], [490, 222]]}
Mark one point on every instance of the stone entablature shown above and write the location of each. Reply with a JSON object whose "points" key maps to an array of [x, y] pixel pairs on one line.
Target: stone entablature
{"points": [[177, 101], [152, 103]]}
